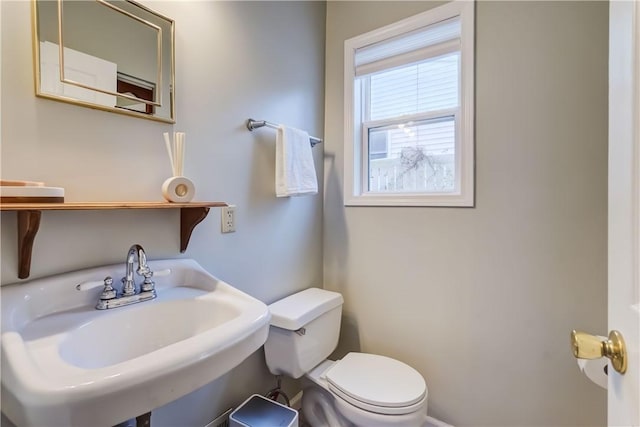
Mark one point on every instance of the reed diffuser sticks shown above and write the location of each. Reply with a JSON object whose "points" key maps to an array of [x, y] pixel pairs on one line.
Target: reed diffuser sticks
{"points": [[176, 151]]}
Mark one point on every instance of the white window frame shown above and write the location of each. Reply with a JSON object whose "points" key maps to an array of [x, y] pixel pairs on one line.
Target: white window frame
{"points": [[356, 191]]}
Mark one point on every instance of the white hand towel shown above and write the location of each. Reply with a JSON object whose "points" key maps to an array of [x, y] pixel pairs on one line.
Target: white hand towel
{"points": [[295, 171]]}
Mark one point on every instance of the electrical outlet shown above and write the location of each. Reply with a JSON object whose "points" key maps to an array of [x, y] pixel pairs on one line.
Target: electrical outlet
{"points": [[228, 217]]}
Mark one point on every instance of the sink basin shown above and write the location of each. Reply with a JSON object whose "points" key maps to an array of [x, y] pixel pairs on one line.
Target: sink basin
{"points": [[66, 363]]}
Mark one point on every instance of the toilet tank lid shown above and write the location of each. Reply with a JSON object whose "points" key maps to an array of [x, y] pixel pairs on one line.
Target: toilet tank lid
{"points": [[295, 311]]}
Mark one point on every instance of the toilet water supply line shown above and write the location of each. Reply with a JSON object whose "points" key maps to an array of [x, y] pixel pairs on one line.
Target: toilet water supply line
{"points": [[276, 392]]}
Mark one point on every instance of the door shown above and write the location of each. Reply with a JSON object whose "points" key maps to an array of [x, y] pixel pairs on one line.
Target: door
{"points": [[624, 206], [623, 344]]}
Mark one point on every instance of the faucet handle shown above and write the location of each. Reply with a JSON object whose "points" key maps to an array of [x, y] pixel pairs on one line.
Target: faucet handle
{"points": [[148, 284], [108, 292], [144, 270]]}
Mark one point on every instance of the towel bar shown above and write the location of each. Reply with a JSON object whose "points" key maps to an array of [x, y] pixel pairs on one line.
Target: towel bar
{"points": [[255, 124]]}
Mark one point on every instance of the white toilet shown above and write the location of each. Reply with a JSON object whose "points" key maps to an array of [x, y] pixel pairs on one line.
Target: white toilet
{"points": [[361, 389]]}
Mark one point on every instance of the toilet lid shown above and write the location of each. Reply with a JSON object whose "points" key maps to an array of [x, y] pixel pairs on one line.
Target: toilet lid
{"points": [[377, 383]]}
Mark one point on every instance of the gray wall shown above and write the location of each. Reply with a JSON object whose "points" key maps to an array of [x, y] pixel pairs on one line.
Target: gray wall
{"points": [[481, 301], [234, 60]]}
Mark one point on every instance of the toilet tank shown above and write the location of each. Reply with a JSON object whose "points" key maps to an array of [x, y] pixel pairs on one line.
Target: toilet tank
{"points": [[304, 331]]}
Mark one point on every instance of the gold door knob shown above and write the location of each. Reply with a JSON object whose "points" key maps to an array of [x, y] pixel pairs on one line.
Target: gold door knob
{"points": [[587, 346]]}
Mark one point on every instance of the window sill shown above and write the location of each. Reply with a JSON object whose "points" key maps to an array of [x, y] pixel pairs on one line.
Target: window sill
{"points": [[418, 200]]}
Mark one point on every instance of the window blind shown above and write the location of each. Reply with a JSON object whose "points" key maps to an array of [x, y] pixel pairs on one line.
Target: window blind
{"points": [[431, 40]]}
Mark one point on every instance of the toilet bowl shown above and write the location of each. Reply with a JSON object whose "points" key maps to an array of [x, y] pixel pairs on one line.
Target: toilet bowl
{"points": [[342, 393], [360, 389]]}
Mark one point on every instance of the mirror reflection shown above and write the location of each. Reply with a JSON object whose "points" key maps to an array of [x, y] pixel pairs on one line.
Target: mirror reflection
{"points": [[116, 55]]}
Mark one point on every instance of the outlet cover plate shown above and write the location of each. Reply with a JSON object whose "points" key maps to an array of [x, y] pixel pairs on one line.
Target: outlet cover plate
{"points": [[228, 219]]}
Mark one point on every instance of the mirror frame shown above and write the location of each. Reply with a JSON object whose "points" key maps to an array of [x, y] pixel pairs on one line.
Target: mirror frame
{"points": [[56, 97]]}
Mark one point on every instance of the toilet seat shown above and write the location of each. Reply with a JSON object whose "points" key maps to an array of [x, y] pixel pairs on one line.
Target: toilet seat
{"points": [[377, 384]]}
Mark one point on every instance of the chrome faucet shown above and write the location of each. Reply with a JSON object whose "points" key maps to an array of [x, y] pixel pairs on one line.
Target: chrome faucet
{"points": [[110, 298], [128, 285]]}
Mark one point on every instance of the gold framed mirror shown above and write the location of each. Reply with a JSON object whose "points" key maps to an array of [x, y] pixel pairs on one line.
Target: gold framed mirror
{"points": [[112, 55]]}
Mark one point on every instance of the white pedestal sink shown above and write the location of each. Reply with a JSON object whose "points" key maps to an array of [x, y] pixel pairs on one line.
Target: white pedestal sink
{"points": [[64, 363]]}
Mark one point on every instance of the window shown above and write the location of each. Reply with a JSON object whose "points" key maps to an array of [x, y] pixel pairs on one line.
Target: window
{"points": [[409, 111]]}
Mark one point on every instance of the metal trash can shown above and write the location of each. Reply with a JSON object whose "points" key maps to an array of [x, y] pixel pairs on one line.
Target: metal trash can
{"points": [[258, 411]]}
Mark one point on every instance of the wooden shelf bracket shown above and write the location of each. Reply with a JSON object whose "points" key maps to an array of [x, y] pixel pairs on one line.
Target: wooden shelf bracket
{"points": [[28, 225], [189, 218]]}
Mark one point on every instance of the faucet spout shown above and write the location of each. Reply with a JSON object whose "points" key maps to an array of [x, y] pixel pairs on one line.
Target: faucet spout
{"points": [[128, 284]]}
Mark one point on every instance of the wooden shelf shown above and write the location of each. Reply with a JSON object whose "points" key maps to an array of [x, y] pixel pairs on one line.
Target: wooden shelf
{"points": [[29, 214]]}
